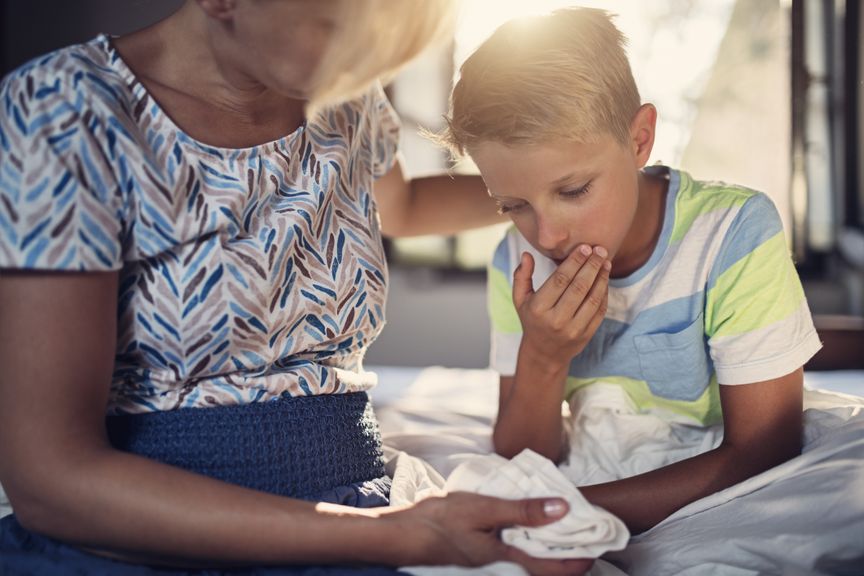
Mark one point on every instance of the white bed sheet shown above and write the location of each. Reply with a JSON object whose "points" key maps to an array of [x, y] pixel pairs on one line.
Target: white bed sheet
{"points": [[444, 416]]}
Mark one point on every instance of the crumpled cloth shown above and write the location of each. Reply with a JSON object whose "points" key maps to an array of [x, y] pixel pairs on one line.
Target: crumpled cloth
{"points": [[587, 531]]}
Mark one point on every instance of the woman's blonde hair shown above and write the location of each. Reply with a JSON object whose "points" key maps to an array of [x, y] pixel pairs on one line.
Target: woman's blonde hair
{"points": [[559, 76], [373, 39]]}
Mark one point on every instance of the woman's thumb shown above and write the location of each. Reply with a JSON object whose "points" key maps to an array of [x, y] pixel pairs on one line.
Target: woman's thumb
{"points": [[522, 283], [534, 512]]}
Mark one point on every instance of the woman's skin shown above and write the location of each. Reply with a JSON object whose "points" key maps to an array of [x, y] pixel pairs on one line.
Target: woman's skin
{"points": [[241, 82]]}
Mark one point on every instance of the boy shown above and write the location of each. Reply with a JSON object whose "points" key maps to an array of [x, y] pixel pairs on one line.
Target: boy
{"points": [[680, 292]]}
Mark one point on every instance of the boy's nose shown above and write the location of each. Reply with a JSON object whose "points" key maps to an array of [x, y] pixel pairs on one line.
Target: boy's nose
{"points": [[550, 235]]}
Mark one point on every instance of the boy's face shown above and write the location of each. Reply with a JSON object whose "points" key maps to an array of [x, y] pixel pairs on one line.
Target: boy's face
{"points": [[562, 195]]}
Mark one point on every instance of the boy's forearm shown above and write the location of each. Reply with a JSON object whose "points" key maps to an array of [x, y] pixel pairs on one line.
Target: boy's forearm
{"points": [[530, 415], [645, 500]]}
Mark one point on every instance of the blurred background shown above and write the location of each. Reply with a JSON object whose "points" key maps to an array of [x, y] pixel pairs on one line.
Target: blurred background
{"points": [[764, 93]]}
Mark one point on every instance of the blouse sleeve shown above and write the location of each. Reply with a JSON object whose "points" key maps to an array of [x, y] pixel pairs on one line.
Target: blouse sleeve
{"points": [[386, 130], [60, 205]]}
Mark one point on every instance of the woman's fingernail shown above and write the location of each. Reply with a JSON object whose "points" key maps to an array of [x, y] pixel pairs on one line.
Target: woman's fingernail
{"points": [[600, 251], [554, 508]]}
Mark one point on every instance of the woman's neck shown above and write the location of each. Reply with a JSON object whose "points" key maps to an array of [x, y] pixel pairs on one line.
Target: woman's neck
{"points": [[204, 91]]}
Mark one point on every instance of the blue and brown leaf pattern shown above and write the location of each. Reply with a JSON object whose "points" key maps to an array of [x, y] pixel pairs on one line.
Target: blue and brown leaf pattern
{"points": [[245, 274]]}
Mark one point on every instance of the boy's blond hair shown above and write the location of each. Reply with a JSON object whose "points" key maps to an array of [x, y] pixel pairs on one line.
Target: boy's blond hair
{"points": [[560, 76], [374, 39]]}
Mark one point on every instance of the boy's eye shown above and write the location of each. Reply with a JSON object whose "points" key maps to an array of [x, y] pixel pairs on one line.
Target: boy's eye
{"points": [[505, 208], [576, 192]]}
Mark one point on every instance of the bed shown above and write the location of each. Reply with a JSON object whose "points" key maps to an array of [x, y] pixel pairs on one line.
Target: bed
{"points": [[444, 417]]}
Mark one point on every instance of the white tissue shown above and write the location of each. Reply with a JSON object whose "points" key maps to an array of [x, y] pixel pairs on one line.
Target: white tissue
{"points": [[587, 531]]}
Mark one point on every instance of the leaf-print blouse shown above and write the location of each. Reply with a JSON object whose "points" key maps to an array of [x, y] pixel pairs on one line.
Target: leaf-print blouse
{"points": [[245, 274]]}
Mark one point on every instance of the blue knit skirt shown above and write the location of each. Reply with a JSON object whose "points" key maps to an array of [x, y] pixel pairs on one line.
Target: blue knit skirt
{"points": [[320, 448]]}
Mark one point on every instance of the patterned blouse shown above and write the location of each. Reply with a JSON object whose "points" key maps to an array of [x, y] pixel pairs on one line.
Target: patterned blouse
{"points": [[245, 274]]}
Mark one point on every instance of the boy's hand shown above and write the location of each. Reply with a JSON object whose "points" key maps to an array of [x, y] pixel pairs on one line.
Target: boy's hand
{"points": [[559, 319]]}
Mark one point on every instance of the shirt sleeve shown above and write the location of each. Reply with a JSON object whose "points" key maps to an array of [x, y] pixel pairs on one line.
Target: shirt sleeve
{"points": [[757, 320], [386, 130], [506, 326], [60, 206]]}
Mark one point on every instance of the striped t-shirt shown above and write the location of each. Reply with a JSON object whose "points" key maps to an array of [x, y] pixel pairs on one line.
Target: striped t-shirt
{"points": [[718, 301], [245, 274]]}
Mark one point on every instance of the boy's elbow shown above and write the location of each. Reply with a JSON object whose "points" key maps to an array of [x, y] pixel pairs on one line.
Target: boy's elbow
{"points": [[753, 460]]}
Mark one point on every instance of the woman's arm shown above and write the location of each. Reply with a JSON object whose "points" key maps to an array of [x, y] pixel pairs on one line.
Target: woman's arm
{"points": [[762, 428], [432, 205], [57, 342]]}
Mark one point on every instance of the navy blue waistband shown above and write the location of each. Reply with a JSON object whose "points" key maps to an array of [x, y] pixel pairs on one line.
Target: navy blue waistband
{"points": [[294, 446]]}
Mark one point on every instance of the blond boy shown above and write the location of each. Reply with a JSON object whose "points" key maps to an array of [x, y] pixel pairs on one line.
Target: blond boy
{"points": [[680, 292]]}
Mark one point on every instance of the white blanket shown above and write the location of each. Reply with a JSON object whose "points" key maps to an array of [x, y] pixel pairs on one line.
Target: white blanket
{"points": [[804, 517], [587, 531]]}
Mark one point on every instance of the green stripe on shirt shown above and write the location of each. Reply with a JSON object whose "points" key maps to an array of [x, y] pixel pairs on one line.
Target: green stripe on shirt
{"points": [[694, 200], [759, 290], [705, 410], [502, 312]]}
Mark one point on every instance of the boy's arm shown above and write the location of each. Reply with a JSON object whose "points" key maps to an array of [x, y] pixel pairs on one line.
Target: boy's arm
{"points": [[762, 429], [441, 204], [558, 321]]}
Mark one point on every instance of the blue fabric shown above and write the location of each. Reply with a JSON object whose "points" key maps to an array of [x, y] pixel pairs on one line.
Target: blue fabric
{"points": [[23, 553], [756, 222], [675, 364], [323, 448], [244, 273], [299, 446]]}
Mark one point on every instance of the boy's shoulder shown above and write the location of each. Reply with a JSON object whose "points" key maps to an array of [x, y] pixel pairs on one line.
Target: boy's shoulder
{"points": [[714, 203]]}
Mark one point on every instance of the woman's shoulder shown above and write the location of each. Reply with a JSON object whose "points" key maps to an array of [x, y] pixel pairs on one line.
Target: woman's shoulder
{"points": [[370, 107], [64, 207], [51, 91]]}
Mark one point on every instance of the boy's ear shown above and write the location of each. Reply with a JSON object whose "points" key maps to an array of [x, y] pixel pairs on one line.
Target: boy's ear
{"points": [[218, 9], [642, 130]]}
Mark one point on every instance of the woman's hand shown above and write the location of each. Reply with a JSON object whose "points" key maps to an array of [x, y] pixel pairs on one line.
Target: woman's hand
{"points": [[463, 529], [560, 318]]}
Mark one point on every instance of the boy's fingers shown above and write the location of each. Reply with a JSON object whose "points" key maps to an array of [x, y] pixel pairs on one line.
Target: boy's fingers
{"points": [[554, 286], [587, 294], [581, 289], [523, 286], [599, 314]]}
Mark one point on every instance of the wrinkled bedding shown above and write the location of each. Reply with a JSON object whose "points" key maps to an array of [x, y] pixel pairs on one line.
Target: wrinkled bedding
{"points": [[803, 517]]}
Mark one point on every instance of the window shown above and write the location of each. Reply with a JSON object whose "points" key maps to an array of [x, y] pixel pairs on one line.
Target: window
{"points": [[723, 100]]}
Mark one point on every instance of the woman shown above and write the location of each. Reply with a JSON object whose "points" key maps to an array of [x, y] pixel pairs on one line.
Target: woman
{"points": [[191, 245]]}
